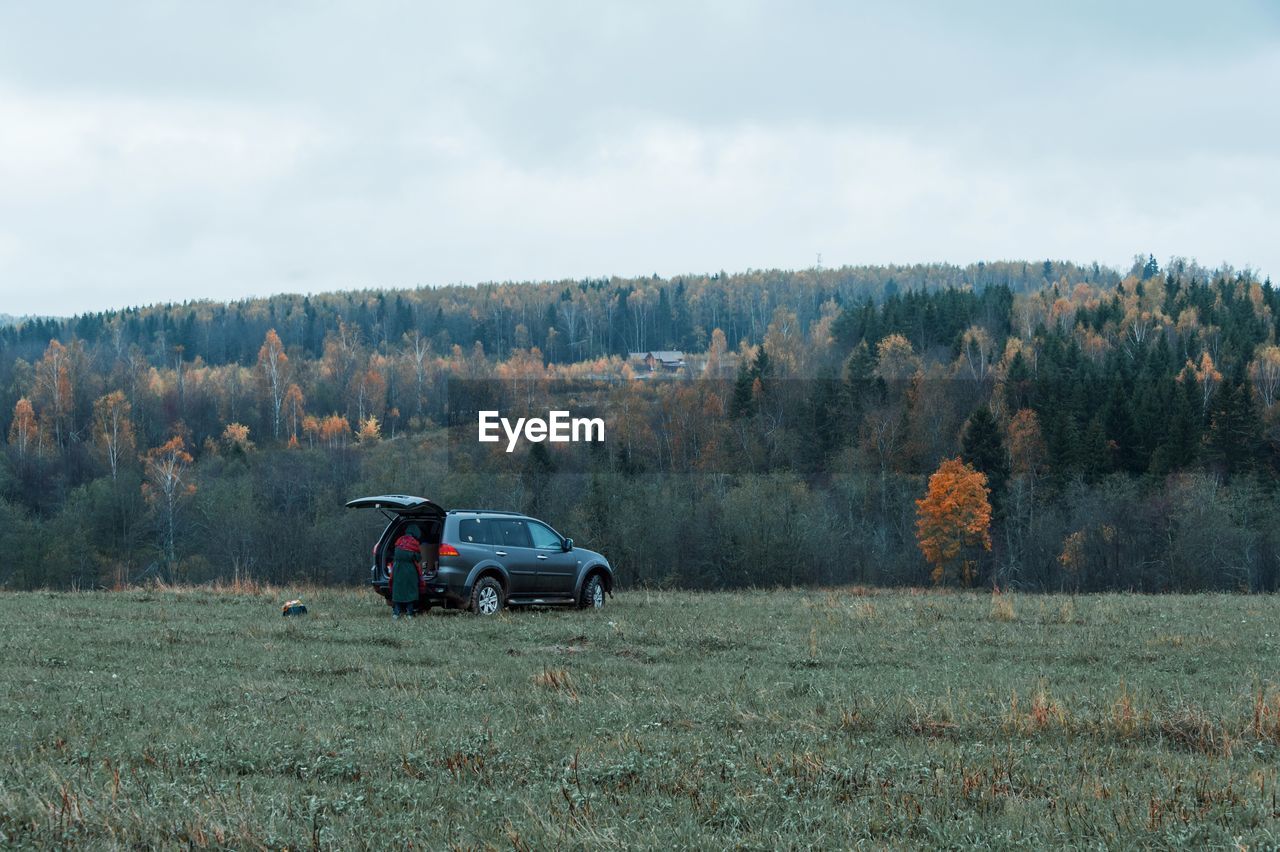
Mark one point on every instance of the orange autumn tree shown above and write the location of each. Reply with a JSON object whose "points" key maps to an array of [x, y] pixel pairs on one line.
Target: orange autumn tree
{"points": [[334, 430], [311, 428], [953, 518]]}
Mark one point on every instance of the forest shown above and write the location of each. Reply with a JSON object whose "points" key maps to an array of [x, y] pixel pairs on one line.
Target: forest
{"points": [[1096, 429]]}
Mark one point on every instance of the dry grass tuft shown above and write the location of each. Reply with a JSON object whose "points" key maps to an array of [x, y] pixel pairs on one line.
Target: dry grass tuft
{"points": [[1041, 713], [556, 680], [1066, 612], [1002, 607], [853, 720], [864, 611], [1125, 719], [1192, 729], [238, 586], [1266, 716]]}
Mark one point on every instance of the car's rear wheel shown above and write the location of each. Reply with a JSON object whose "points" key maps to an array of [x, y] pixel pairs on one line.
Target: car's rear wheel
{"points": [[486, 597], [592, 593]]}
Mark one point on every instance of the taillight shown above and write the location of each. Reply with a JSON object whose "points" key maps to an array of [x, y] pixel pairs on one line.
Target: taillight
{"points": [[446, 550]]}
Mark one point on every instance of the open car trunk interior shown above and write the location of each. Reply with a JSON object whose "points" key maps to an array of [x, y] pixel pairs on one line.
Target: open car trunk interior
{"points": [[430, 528]]}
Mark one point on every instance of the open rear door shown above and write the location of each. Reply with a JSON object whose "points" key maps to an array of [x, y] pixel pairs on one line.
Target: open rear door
{"points": [[404, 505]]}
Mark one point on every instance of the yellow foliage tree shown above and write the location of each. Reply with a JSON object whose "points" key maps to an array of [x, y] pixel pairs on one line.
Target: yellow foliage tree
{"points": [[274, 365], [236, 438], [975, 353], [370, 430], [953, 517], [24, 432], [1205, 374], [895, 359], [715, 355], [1027, 450], [295, 410], [113, 429], [166, 485], [1265, 373], [53, 390]]}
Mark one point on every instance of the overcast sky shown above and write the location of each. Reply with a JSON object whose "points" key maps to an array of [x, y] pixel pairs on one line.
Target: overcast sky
{"points": [[165, 151]]}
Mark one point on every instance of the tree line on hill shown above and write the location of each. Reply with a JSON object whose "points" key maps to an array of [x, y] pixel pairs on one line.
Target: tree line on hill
{"points": [[1124, 428]]}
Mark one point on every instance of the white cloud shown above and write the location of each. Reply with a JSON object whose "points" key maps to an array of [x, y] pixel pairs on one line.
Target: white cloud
{"points": [[174, 154], [72, 145]]}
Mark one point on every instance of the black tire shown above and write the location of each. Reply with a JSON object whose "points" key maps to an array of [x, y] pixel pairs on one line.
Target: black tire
{"points": [[592, 593], [486, 597]]}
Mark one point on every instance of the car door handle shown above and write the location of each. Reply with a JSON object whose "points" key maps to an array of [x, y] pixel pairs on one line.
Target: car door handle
{"points": [[540, 556], [500, 553]]}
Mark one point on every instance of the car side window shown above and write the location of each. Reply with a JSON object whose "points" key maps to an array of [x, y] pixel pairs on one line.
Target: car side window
{"points": [[473, 531], [514, 533], [543, 537]]}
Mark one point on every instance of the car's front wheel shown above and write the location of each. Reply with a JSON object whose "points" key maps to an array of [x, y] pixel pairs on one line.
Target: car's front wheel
{"points": [[592, 593], [486, 597]]}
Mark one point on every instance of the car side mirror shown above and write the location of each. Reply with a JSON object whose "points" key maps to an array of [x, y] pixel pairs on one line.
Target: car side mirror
{"points": [[568, 545]]}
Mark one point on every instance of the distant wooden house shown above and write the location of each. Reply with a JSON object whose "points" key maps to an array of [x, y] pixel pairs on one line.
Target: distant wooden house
{"points": [[725, 367], [658, 360]]}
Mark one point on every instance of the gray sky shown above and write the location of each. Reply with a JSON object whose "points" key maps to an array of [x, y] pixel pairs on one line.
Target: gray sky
{"points": [[156, 151]]}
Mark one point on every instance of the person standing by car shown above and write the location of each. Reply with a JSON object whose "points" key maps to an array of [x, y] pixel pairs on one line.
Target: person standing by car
{"points": [[406, 572]]}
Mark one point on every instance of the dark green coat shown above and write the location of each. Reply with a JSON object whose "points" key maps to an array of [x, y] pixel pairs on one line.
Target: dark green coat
{"points": [[404, 576]]}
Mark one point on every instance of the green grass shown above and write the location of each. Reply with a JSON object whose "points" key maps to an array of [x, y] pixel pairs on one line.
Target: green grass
{"points": [[667, 720]]}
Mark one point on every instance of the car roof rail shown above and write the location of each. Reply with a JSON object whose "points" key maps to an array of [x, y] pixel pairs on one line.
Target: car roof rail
{"points": [[486, 512]]}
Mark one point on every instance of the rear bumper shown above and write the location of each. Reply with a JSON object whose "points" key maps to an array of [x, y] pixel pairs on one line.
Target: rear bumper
{"points": [[439, 590]]}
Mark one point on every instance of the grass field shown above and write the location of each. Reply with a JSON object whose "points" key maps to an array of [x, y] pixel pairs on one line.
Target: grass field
{"points": [[670, 720]]}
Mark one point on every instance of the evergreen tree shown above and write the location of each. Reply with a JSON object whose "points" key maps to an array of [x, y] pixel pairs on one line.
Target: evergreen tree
{"points": [[1233, 436], [743, 403], [1150, 269], [1122, 437], [1181, 444], [1094, 451], [760, 367], [1018, 384], [662, 331], [983, 448]]}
